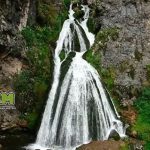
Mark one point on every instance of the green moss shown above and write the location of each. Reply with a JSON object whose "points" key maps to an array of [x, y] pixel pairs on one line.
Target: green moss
{"points": [[94, 58], [124, 146], [46, 13], [123, 66], [91, 25], [108, 75], [132, 72], [148, 72], [147, 146], [33, 83], [138, 55], [32, 119], [49, 14], [62, 55], [142, 104], [116, 102], [104, 35], [78, 13], [67, 3]]}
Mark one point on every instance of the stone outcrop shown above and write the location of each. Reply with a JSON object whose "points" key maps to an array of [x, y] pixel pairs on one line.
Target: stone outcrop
{"points": [[13, 17], [129, 53]]}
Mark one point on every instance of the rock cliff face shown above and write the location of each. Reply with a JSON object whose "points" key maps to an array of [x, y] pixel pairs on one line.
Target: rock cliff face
{"points": [[128, 55], [13, 17]]}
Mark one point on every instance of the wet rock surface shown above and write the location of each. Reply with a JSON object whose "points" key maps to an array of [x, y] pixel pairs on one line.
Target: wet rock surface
{"points": [[10, 141]]}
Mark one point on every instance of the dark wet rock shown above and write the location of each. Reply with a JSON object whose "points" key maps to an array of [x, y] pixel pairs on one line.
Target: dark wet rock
{"points": [[114, 135], [1, 146], [78, 13]]}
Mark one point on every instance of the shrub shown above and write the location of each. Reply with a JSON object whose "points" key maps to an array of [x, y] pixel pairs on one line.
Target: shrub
{"points": [[33, 83], [142, 124]]}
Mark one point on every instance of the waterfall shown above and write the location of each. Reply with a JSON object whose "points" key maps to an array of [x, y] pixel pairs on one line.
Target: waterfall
{"points": [[79, 109]]}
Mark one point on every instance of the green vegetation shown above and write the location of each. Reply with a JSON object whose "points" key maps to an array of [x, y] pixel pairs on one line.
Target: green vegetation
{"points": [[107, 75], [46, 13], [138, 55], [91, 25], [33, 83], [49, 14], [78, 13], [124, 146], [148, 72], [32, 118], [94, 58], [123, 66], [104, 35], [67, 3], [142, 125]]}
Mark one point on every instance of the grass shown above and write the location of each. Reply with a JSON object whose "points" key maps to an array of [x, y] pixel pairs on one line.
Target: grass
{"points": [[142, 125]]}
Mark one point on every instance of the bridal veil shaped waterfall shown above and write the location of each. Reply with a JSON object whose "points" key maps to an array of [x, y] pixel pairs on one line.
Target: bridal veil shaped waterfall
{"points": [[79, 108]]}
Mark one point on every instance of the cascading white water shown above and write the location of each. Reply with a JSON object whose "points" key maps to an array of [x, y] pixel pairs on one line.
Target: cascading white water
{"points": [[79, 108]]}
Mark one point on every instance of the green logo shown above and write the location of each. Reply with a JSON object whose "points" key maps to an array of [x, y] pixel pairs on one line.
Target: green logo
{"points": [[7, 100]]}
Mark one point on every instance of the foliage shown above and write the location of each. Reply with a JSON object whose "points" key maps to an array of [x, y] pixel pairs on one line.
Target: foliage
{"points": [[142, 124], [46, 14], [105, 35], [23, 88], [108, 75], [31, 118], [124, 65], [33, 83], [91, 25], [148, 72], [67, 3], [94, 59], [51, 15], [124, 146]]}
